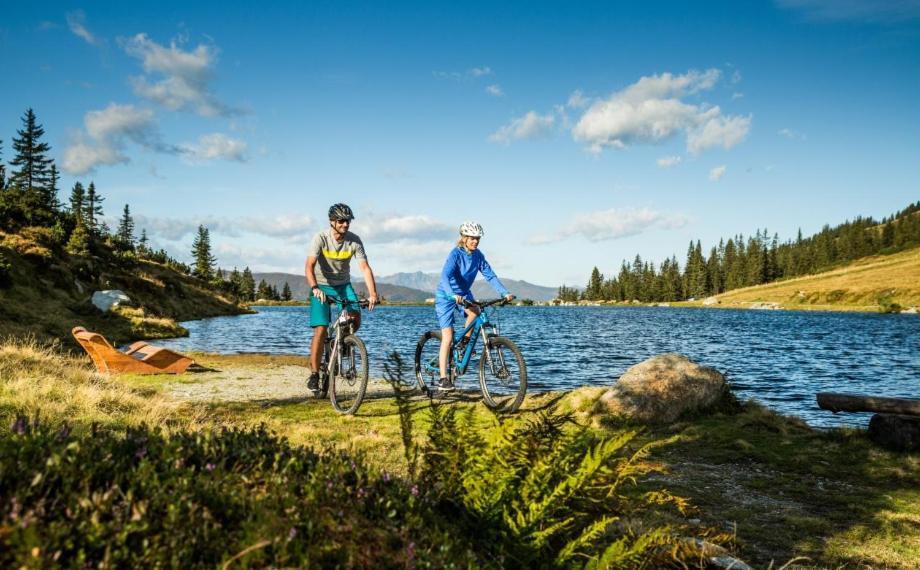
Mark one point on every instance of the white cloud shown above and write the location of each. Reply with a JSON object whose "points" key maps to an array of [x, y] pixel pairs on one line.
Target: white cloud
{"points": [[668, 161], [791, 135], [577, 100], [717, 173], [737, 95], [216, 146], [726, 132], [480, 71], [651, 111], [76, 21], [107, 133], [531, 125], [186, 76], [394, 228], [612, 224], [884, 11], [495, 90]]}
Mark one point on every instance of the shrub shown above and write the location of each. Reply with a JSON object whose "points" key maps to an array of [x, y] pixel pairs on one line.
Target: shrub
{"points": [[6, 272], [142, 499], [30, 242]]}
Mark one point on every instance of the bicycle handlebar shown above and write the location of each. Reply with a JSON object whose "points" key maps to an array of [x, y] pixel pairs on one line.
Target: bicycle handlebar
{"points": [[330, 300], [484, 304]]}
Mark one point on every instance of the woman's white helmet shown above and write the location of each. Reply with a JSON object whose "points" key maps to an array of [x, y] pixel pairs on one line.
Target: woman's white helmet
{"points": [[471, 229]]}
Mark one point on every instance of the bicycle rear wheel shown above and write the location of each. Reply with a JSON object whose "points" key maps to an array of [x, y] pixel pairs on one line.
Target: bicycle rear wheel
{"points": [[427, 372], [502, 375], [348, 382]]}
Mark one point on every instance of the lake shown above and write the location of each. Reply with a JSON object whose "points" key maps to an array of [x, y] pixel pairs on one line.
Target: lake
{"points": [[780, 358]]}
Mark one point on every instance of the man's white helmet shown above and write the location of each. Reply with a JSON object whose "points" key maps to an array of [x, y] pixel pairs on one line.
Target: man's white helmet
{"points": [[471, 229]]}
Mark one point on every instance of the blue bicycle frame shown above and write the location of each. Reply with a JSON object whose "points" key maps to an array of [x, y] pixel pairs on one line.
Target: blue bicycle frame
{"points": [[479, 327]]}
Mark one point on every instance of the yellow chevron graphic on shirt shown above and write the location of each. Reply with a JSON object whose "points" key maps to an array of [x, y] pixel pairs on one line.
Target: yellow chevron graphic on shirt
{"points": [[337, 254]]}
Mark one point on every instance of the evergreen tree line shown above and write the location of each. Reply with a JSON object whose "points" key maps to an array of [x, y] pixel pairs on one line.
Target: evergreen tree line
{"points": [[29, 198], [743, 262]]}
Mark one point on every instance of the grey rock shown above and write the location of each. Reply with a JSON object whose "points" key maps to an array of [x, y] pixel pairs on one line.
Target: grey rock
{"points": [[109, 299], [664, 387]]}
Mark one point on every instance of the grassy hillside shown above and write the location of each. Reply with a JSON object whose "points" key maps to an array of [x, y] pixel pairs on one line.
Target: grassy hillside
{"points": [[873, 283], [46, 292]]}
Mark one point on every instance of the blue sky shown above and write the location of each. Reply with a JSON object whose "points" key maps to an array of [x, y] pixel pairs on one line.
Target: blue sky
{"points": [[578, 134]]}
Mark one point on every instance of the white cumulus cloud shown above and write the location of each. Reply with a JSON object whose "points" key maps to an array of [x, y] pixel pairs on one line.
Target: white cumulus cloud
{"points": [[529, 126], [717, 173], [186, 76], [653, 110], [107, 133], [216, 146], [612, 224]]}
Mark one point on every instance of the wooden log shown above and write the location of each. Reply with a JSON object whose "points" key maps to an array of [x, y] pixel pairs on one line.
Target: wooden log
{"points": [[900, 433], [858, 403]]}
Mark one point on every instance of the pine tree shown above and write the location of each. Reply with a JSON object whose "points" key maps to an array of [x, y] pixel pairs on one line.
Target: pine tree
{"points": [[126, 229], [595, 284], [77, 200], [92, 211], [286, 292], [2, 169], [201, 254], [79, 241], [142, 246], [248, 289], [32, 173]]}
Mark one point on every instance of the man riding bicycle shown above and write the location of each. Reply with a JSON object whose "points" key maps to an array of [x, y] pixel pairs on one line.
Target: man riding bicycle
{"points": [[333, 250], [463, 264]]}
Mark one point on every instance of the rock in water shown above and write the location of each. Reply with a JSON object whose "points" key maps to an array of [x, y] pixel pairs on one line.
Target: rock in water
{"points": [[663, 388], [107, 300]]}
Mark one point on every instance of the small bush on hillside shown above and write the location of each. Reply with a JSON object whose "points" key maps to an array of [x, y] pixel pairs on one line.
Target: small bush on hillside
{"points": [[26, 244], [6, 272], [141, 499]]}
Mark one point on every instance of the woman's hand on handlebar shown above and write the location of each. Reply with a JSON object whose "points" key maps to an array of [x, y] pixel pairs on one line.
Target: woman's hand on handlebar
{"points": [[372, 302], [509, 297]]}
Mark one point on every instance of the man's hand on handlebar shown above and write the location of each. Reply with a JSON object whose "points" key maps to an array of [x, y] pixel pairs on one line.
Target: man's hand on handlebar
{"points": [[318, 293]]}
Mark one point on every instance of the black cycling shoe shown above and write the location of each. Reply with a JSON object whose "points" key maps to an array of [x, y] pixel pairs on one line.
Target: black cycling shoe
{"points": [[313, 382], [446, 385]]}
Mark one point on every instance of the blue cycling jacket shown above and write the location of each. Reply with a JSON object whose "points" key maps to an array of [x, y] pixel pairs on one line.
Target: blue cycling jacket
{"points": [[460, 271]]}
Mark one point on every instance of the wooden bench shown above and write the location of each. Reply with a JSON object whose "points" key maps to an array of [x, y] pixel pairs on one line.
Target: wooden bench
{"points": [[895, 425], [139, 358]]}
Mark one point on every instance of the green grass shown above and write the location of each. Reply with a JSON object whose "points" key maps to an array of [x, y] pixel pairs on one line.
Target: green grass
{"points": [[783, 489]]}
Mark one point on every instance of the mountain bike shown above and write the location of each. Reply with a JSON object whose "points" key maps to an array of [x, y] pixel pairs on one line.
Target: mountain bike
{"points": [[343, 365], [502, 371]]}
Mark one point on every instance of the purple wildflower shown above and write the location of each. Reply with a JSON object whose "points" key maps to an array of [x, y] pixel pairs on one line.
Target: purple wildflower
{"points": [[210, 467], [415, 490], [19, 426]]}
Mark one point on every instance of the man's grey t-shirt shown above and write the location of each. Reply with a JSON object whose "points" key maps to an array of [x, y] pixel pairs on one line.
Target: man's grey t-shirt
{"points": [[333, 258]]}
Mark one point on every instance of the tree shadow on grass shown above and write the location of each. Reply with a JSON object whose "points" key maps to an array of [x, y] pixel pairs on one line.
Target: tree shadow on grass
{"points": [[790, 490]]}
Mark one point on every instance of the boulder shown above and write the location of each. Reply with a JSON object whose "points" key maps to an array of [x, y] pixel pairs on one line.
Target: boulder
{"points": [[108, 300], [765, 306], [664, 387], [710, 301]]}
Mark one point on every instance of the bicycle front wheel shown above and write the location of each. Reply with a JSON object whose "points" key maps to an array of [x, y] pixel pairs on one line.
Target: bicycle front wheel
{"points": [[502, 375], [348, 382]]}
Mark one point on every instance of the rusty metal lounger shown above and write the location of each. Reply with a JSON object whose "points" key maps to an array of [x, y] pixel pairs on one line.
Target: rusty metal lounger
{"points": [[139, 358]]}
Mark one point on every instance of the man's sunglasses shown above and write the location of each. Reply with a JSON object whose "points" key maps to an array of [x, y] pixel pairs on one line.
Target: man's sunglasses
{"points": [[345, 221]]}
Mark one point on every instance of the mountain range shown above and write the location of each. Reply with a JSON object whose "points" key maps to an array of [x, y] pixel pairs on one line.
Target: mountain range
{"points": [[410, 287]]}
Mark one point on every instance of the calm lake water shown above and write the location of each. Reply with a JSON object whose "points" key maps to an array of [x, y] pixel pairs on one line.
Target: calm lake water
{"points": [[780, 358]]}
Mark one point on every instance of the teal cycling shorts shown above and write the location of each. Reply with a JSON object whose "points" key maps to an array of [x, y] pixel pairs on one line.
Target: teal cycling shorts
{"points": [[321, 313]]}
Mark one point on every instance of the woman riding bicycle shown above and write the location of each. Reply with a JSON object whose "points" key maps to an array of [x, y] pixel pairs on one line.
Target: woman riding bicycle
{"points": [[460, 269]]}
